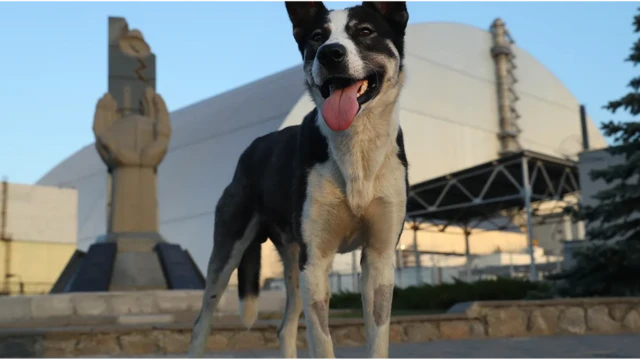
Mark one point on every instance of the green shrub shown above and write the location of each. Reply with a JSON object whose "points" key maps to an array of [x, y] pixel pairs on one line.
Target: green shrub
{"points": [[443, 296]]}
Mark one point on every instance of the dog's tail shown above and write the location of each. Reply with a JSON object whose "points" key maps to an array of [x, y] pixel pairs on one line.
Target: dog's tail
{"points": [[249, 283]]}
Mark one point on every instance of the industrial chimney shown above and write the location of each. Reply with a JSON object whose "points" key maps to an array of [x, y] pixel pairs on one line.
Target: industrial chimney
{"points": [[505, 79]]}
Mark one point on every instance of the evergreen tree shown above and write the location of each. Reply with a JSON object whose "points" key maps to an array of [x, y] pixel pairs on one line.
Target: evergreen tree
{"points": [[617, 214], [612, 268]]}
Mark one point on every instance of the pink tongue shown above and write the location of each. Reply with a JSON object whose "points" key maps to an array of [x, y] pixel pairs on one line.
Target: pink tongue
{"points": [[341, 107]]}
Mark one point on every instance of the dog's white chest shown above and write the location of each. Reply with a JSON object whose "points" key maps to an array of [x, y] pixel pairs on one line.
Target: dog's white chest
{"points": [[367, 178], [327, 183], [335, 205]]}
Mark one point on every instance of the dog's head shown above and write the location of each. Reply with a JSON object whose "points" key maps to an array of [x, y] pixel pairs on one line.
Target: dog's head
{"points": [[352, 57]]}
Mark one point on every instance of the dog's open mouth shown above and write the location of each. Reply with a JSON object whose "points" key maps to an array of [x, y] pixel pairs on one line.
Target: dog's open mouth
{"points": [[343, 98], [365, 92]]}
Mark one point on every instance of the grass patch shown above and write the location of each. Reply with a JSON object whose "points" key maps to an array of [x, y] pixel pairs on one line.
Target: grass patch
{"points": [[443, 296]]}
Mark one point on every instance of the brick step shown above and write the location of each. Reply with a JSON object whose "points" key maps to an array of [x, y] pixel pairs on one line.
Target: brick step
{"points": [[96, 321], [137, 318]]}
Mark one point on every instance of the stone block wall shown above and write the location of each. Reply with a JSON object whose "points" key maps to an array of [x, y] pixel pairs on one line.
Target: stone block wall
{"points": [[556, 317], [464, 321]]}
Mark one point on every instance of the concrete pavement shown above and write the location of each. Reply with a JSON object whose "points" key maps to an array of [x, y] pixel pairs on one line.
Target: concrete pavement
{"points": [[587, 347]]}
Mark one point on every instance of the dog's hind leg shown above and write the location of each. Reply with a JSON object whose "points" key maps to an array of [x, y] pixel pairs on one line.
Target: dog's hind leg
{"points": [[249, 281], [236, 226], [384, 222], [288, 331]]}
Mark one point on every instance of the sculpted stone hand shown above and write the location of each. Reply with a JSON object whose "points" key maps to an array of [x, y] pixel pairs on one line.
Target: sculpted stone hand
{"points": [[132, 139], [132, 146]]}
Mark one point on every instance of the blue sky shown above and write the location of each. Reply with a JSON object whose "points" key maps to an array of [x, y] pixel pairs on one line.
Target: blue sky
{"points": [[53, 58]]}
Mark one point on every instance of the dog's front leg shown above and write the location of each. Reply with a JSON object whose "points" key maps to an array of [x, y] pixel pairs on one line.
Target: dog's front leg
{"points": [[315, 299], [326, 221], [384, 223]]}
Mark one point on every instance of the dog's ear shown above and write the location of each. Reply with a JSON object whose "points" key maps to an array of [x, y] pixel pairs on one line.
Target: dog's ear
{"points": [[302, 14], [395, 12]]}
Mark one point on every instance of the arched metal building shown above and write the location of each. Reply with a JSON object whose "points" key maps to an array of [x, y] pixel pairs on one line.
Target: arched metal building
{"points": [[449, 112]]}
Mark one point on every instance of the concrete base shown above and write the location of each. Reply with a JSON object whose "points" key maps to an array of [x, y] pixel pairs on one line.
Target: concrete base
{"points": [[137, 271], [91, 307], [136, 265]]}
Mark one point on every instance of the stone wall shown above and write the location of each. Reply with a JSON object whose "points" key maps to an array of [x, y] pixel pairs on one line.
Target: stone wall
{"points": [[551, 317], [464, 321], [145, 339]]}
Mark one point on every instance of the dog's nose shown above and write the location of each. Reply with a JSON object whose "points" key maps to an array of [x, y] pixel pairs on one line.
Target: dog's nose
{"points": [[331, 55]]}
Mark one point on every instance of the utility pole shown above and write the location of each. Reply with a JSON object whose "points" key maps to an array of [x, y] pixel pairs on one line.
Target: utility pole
{"points": [[526, 193], [4, 237], [415, 227], [467, 253]]}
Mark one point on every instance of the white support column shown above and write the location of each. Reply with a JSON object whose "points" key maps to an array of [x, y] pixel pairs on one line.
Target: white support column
{"points": [[526, 194]]}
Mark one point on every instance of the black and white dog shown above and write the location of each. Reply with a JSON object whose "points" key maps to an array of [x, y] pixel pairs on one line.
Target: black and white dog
{"points": [[335, 183]]}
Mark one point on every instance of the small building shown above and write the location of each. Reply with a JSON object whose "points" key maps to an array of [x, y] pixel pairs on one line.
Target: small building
{"points": [[589, 161], [598, 159], [38, 229]]}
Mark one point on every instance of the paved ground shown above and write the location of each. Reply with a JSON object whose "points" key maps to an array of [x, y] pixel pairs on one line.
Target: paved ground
{"points": [[587, 346]]}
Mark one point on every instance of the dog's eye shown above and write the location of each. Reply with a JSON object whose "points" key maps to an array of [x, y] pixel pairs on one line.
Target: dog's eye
{"points": [[365, 31], [316, 36]]}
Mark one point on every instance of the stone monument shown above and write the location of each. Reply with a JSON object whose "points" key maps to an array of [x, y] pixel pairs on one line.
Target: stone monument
{"points": [[132, 129]]}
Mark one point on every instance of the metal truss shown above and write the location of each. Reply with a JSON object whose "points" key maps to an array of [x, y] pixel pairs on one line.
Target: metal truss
{"points": [[539, 187], [510, 187]]}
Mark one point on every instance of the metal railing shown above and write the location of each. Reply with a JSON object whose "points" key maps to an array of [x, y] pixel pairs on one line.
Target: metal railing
{"points": [[13, 288]]}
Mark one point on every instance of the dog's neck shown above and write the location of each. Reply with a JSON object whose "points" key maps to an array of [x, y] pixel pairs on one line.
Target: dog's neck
{"points": [[361, 151]]}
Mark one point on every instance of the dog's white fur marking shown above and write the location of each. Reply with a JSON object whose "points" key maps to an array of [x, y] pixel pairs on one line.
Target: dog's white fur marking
{"points": [[337, 24], [214, 287], [248, 311]]}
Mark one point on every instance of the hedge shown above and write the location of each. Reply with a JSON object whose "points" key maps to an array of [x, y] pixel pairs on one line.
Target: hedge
{"points": [[443, 296]]}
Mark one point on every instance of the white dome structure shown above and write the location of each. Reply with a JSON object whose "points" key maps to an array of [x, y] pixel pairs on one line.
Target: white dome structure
{"points": [[449, 113]]}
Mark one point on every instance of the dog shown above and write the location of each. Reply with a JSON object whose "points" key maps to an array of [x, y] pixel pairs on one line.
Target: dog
{"points": [[334, 183]]}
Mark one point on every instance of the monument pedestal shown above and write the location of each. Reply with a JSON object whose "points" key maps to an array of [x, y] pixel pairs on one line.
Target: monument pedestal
{"points": [[131, 262]]}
